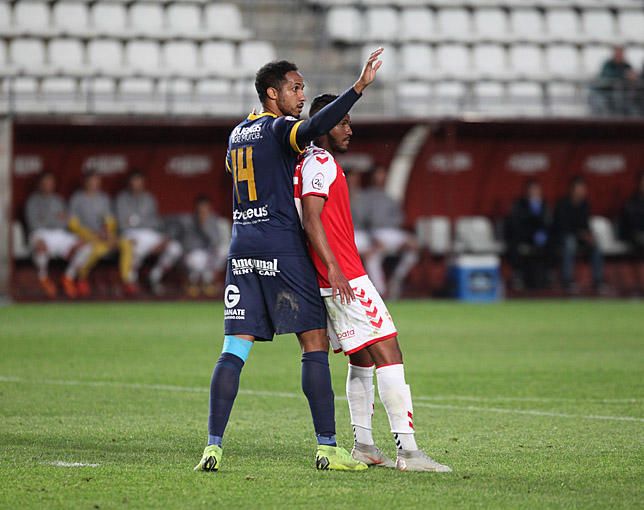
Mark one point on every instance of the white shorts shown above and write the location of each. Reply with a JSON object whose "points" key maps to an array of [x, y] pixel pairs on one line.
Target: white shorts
{"points": [[59, 242], [392, 239], [145, 240], [363, 322]]}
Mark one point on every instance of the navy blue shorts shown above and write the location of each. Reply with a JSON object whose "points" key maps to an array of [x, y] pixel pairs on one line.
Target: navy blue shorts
{"points": [[272, 296]]}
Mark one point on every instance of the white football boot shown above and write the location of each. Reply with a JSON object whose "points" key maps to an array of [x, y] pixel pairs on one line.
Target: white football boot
{"points": [[418, 460], [371, 455]]}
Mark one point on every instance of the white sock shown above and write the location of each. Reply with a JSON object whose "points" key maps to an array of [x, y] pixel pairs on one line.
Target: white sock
{"points": [[167, 259], [360, 394], [41, 259], [78, 260], [396, 397]]}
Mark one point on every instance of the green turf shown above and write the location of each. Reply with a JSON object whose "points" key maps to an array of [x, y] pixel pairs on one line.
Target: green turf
{"points": [[523, 400]]}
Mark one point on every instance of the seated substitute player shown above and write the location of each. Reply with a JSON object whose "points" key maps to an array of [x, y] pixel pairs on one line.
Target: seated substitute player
{"points": [[91, 219], [270, 280], [205, 250], [46, 215], [361, 327], [138, 219]]}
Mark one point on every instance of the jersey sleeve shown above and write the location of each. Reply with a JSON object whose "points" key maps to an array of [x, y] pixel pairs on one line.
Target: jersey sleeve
{"points": [[318, 173], [229, 165], [286, 129]]}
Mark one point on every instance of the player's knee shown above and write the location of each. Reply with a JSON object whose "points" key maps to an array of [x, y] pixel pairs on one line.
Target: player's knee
{"points": [[237, 346], [174, 249], [314, 340], [386, 352]]}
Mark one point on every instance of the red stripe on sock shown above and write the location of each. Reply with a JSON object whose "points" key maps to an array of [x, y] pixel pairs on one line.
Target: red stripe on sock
{"points": [[387, 365]]}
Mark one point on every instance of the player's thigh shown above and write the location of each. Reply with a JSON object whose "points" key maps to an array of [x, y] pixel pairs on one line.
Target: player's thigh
{"points": [[392, 239], [293, 295], [58, 242], [197, 260], [245, 311], [144, 240], [362, 322]]}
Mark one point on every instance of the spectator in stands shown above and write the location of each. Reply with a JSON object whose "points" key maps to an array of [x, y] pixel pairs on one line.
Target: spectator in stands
{"points": [[46, 216], [615, 88], [91, 219], [632, 227], [359, 212], [205, 252], [528, 237], [139, 222], [388, 237], [572, 229]]}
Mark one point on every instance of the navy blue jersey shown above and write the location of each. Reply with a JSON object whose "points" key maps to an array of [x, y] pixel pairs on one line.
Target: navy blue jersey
{"points": [[262, 153]]}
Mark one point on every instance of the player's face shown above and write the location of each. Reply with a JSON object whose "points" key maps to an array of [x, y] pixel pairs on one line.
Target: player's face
{"points": [[340, 135], [137, 184], [93, 183], [203, 210], [47, 184], [291, 98]]}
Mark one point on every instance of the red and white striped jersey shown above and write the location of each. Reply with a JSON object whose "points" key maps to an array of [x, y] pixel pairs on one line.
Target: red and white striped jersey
{"points": [[317, 173]]}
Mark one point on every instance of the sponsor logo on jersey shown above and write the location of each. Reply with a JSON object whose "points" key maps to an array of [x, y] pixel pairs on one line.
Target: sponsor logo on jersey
{"points": [[106, 164], [28, 164], [231, 300], [251, 215], [188, 165], [605, 164], [347, 334], [528, 162], [246, 134], [318, 181], [261, 267]]}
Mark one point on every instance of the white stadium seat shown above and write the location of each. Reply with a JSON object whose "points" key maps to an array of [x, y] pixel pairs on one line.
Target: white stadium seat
{"points": [[489, 95], [526, 97], [66, 55], [71, 16], [103, 96], [635, 55], [562, 24], [62, 94], [449, 96], [454, 24], [593, 57], [490, 23], [630, 25], [453, 59], [562, 61], [416, 24], [147, 18], [27, 54], [109, 18], [32, 16], [414, 98], [254, 54], [219, 58], [607, 240], [225, 20], [564, 100], [435, 234], [344, 24], [416, 61], [142, 56], [526, 24], [184, 19], [599, 25], [526, 60], [105, 55], [490, 60], [27, 97], [140, 95], [180, 56], [5, 17], [474, 234], [382, 24]]}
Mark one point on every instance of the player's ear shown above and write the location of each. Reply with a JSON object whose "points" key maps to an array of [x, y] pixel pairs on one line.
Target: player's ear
{"points": [[271, 93]]}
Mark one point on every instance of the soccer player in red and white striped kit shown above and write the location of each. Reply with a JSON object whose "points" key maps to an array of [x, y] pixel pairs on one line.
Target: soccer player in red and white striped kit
{"points": [[358, 321]]}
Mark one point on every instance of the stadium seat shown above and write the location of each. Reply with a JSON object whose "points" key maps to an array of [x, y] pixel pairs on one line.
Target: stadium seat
{"points": [[66, 55], [454, 24], [105, 56], [593, 57], [225, 20], [414, 98], [147, 18], [416, 61], [218, 58], [109, 18], [604, 232], [32, 17], [71, 17], [184, 19], [475, 234], [254, 54], [19, 244], [453, 60], [630, 24], [449, 97], [490, 60], [5, 18], [140, 95], [562, 61], [27, 54], [490, 24], [599, 25], [180, 57], [564, 100], [27, 96], [526, 60], [62, 95], [434, 233], [142, 56], [526, 24], [102, 96], [417, 24], [562, 24], [635, 55], [344, 24], [382, 24], [489, 96], [526, 97]]}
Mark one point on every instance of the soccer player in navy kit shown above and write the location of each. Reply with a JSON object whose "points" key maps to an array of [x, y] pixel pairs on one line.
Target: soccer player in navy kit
{"points": [[271, 286]]}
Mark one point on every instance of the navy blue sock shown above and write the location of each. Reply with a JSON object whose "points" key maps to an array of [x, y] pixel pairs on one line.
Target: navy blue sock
{"points": [[223, 390], [316, 384]]}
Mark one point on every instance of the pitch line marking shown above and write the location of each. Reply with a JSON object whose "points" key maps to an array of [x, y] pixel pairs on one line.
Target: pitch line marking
{"points": [[60, 463], [281, 394]]}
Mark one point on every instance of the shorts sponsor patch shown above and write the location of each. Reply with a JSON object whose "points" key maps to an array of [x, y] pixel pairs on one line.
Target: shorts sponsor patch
{"points": [[231, 300], [248, 265]]}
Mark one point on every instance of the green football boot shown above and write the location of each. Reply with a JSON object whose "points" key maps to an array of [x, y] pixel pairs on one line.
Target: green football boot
{"points": [[211, 459], [336, 458]]}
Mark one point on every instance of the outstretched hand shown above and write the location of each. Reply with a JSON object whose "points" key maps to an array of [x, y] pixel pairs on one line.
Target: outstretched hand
{"points": [[369, 71]]}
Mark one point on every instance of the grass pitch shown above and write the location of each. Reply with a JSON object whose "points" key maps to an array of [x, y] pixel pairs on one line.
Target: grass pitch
{"points": [[534, 405]]}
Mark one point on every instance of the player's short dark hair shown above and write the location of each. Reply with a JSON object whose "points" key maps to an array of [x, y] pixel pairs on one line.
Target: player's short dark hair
{"points": [[576, 180], [202, 199], [273, 75], [44, 175], [134, 174], [320, 102]]}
